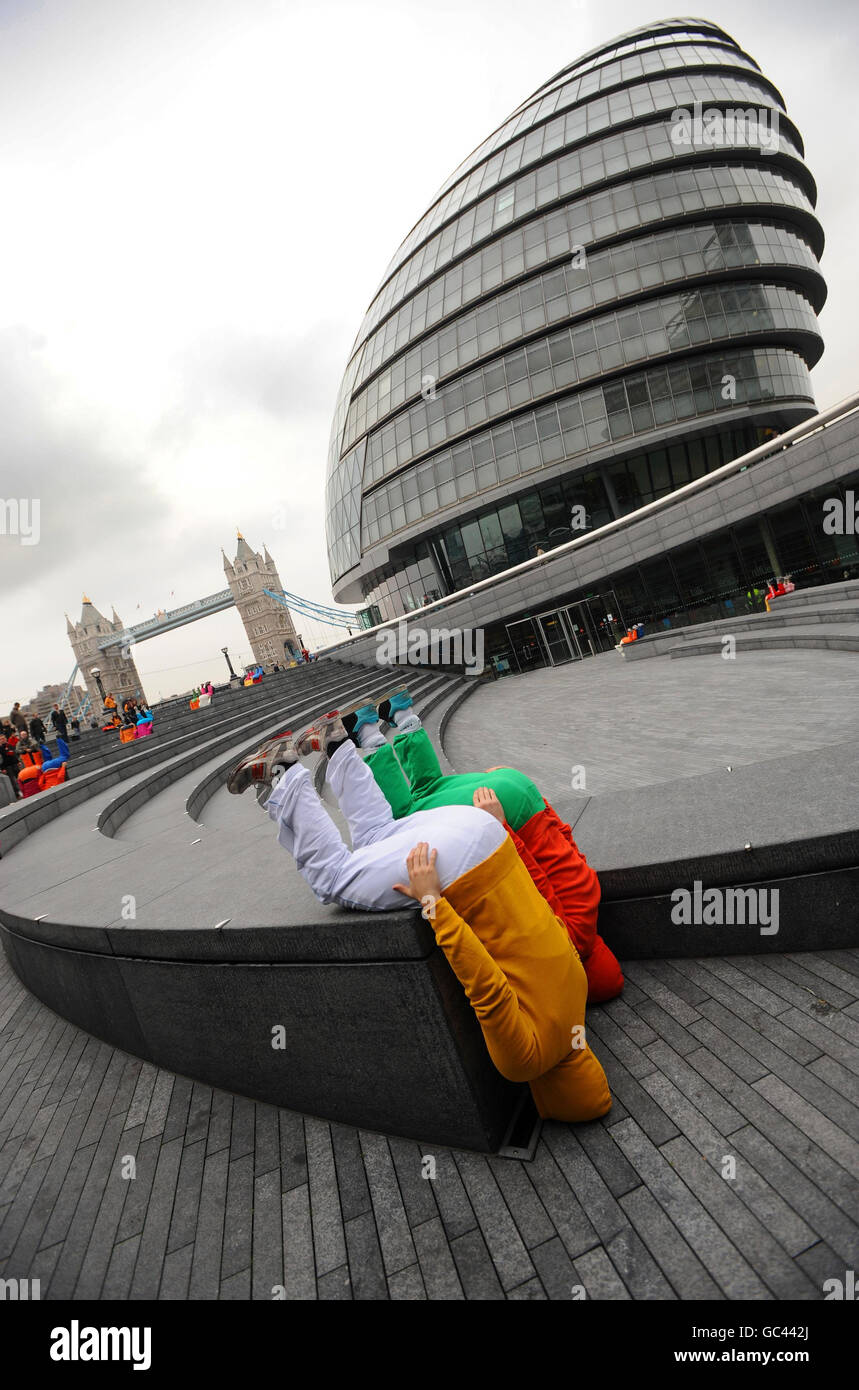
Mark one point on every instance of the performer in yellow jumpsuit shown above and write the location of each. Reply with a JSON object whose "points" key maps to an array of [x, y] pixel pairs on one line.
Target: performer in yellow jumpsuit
{"points": [[522, 975]]}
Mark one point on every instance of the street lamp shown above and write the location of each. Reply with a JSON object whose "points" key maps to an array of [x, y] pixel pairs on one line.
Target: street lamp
{"points": [[96, 672], [233, 675]]}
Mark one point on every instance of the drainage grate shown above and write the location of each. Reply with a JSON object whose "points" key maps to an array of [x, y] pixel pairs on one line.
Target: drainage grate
{"points": [[520, 1141]]}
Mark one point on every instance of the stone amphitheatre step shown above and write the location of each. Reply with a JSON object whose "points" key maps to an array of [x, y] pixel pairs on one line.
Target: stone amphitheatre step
{"points": [[818, 596], [832, 605], [23, 817], [231, 705], [835, 637], [163, 796], [234, 742], [190, 794], [115, 925]]}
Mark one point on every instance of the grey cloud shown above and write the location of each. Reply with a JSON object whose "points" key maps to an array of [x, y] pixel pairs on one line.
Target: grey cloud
{"points": [[293, 378], [91, 501]]}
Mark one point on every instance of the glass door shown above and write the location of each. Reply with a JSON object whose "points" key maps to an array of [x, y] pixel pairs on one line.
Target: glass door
{"points": [[560, 641], [578, 624], [598, 621], [527, 644]]}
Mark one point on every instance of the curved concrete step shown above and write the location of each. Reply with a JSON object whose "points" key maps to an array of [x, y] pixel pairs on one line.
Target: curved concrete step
{"points": [[818, 596], [236, 742], [835, 638], [226, 942], [832, 604], [22, 818]]}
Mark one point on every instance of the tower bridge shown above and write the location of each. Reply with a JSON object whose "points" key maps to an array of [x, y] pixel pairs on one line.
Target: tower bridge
{"points": [[254, 588], [167, 621]]}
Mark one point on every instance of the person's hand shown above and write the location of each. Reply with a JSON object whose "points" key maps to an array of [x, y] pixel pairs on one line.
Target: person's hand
{"points": [[502, 767], [424, 883], [486, 800]]}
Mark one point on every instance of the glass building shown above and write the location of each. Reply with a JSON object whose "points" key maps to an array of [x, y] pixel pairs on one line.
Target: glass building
{"points": [[613, 295]]}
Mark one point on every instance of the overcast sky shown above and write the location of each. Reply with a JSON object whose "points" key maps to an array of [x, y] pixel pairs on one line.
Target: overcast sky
{"points": [[199, 200]]}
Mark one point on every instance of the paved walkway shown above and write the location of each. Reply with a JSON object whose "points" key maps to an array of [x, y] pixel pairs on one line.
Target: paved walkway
{"points": [[631, 725], [710, 1062]]}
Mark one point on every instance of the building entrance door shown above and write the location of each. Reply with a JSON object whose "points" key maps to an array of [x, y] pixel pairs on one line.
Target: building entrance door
{"points": [[580, 629], [597, 622], [560, 638], [527, 644]]}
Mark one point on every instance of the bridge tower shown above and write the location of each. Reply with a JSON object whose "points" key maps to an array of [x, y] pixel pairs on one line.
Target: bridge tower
{"points": [[268, 624], [118, 673]]}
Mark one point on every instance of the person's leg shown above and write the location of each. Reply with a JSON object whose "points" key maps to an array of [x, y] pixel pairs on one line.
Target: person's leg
{"points": [[361, 799], [526, 983], [386, 769], [431, 788], [306, 830], [605, 977], [538, 876], [575, 883], [420, 763], [576, 887]]}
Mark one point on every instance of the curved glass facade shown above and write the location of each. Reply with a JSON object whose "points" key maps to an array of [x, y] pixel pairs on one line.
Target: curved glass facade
{"points": [[629, 262]]}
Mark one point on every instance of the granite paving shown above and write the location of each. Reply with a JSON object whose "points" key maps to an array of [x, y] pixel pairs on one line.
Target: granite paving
{"points": [[635, 724], [727, 1168]]}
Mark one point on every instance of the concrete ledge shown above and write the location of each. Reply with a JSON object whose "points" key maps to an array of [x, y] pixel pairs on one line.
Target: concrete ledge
{"points": [[22, 818], [816, 912], [650, 841], [387, 1045], [369, 1006], [181, 722]]}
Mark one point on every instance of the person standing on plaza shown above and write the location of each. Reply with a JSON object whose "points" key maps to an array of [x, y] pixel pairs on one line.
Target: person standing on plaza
{"points": [[17, 718], [60, 721]]}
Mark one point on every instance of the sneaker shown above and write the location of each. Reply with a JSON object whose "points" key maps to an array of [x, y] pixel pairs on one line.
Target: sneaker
{"points": [[337, 725], [327, 730], [393, 703], [275, 739], [263, 768]]}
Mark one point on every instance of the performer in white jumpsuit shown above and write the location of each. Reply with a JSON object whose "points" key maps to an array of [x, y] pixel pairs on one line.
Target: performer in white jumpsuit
{"points": [[363, 877]]}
